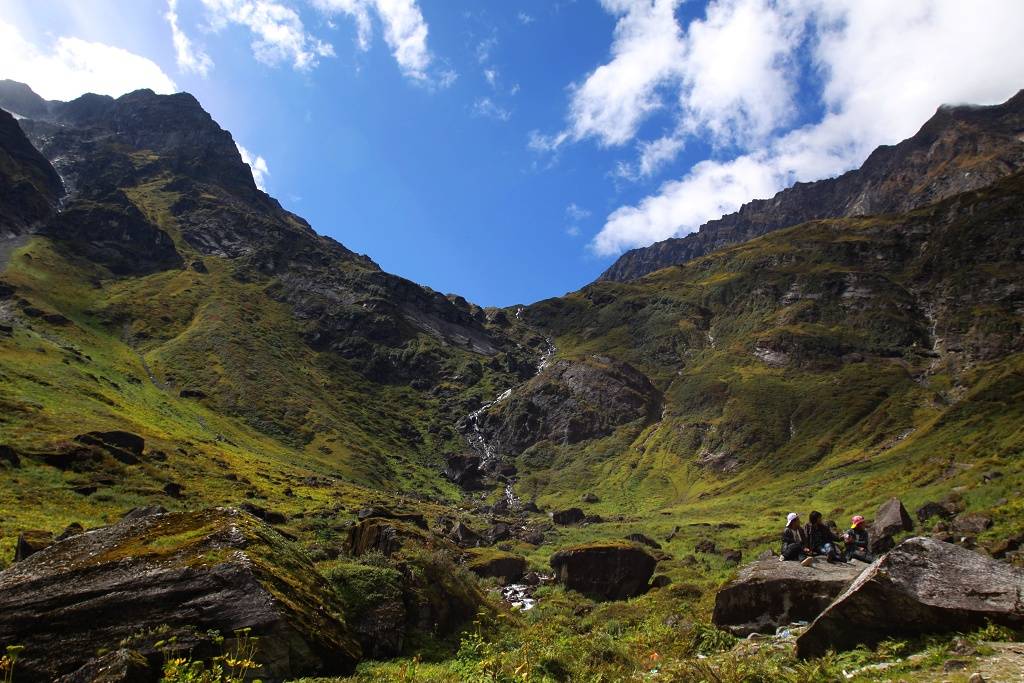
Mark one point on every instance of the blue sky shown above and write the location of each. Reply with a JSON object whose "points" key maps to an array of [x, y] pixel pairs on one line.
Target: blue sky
{"points": [[509, 150]]}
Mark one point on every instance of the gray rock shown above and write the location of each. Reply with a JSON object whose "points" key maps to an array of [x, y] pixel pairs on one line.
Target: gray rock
{"points": [[922, 586], [768, 593], [971, 523], [184, 573], [891, 519], [643, 539]]}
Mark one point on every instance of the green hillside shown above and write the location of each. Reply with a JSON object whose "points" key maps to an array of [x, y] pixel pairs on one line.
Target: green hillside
{"points": [[830, 365]]}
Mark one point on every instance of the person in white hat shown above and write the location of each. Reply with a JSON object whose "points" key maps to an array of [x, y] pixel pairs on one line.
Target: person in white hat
{"points": [[794, 543]]}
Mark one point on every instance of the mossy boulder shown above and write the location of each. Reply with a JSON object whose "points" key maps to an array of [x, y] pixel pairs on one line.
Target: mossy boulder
{"points": [[386, 536], [177, 575], [492, 563], [605, 570]]}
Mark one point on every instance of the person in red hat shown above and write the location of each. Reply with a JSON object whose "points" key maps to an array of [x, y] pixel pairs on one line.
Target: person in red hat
{"points": [[858, 543]]}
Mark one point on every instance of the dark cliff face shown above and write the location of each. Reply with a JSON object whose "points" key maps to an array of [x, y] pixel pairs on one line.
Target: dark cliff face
{"points": [[29, 187], [958, 149], [569, 402]]}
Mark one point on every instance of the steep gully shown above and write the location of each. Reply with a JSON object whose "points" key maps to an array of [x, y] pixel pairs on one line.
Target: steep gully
{"points": [[478, 441], [518, 595]]}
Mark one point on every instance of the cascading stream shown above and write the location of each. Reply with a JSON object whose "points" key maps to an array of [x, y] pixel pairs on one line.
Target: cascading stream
{"points": [[478, 442]]}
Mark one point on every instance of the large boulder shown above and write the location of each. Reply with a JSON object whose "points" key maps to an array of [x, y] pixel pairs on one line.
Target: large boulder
{"points": [[768, 593], [490, 563], [119, 666], [604, 571], [922, 586], [568, 516], [175, 574], [464, 469], [383, 535], [891, 519]]}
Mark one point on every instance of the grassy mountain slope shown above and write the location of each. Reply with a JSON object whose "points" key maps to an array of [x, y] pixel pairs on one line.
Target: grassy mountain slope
{"points": [[832, 364]]}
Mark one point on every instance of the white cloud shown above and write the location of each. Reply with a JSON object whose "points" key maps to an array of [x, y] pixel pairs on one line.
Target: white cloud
{"points": [[525, 19], [258, 164], [405, 32], [709, 190], [189, 57], [279, 35], [71, 67], [488, 108], [884, 68], [654, 154], [737, 75], [615, 98]]}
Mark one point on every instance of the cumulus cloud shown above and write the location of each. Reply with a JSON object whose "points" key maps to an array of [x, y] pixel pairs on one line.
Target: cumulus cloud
{"points": [[188, 57], [279, 34], [258, 164], [71, 66], [737, 75], [615, 98], [881, 70], [405, 32]]}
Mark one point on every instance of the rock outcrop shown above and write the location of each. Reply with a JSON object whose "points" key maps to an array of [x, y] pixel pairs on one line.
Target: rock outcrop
{"points": [[921, 586], [570, 401], [768, 593], [383, 535], [604, 571], [29, 187], [178, 574]]}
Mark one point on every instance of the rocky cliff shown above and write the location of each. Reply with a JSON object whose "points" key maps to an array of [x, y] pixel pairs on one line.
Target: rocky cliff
{"points": [[959, 149]]}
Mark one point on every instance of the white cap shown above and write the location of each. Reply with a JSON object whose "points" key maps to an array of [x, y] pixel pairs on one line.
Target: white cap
{"points": [[790, 517]]}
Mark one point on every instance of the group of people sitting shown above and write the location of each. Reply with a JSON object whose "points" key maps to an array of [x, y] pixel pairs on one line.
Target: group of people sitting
{"points": [[818, 539]]}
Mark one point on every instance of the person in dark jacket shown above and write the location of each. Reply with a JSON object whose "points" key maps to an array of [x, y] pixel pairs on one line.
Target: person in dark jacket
{"points": [[794, 543], [858, 543], [820, 538]]}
